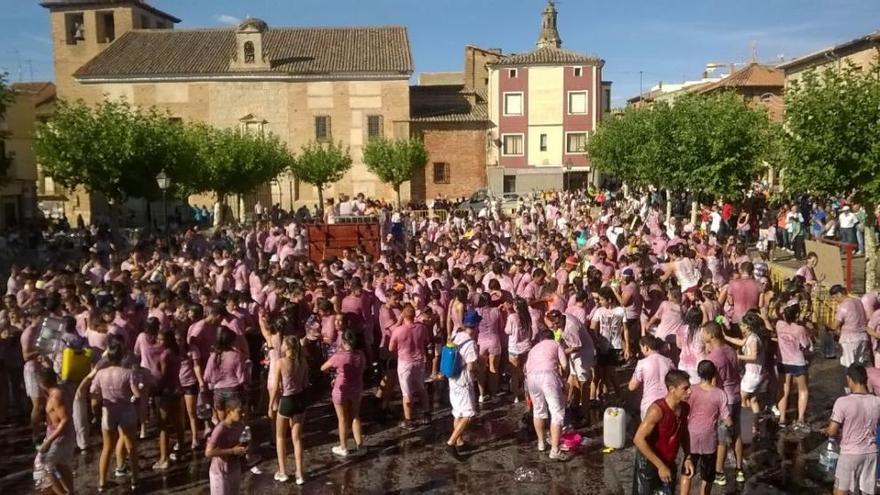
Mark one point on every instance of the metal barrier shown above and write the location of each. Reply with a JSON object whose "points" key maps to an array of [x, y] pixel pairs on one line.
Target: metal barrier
{"points": [[441, 215]]}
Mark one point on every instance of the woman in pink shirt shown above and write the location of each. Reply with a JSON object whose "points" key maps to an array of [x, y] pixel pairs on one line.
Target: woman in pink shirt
{"points": [[489, 345], [292, 372], [544, 368], [650, 372], [147, 350], [272, 335], [168, 386], [693, 349], [114, 386], [708, 406], [669, 320], [518, 328], [225, 373], [793, 341], [348, 386]]}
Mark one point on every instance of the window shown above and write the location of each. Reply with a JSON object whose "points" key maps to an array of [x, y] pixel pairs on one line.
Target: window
{"points": [[543, 142], [322, 127], [606, 104], [255, 126], [175, 120], [106, 27], [145, 22], [441, 173], [577, 102], [512, 73], [249, 52], [374, 126], [576, 142], [578, 71], [509, 183], [512, 144], [766, 97], [74, 25], [513, 103]]}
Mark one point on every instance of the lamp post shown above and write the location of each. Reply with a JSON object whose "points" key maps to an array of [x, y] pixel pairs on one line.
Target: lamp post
{"points": [[566, 174], [164, 182]]}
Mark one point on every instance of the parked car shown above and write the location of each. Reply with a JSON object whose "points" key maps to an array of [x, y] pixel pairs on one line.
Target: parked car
{"points": [[481, 198]]}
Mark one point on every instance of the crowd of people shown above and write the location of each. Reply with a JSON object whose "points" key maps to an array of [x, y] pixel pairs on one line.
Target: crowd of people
{"points": [[548, 307]]}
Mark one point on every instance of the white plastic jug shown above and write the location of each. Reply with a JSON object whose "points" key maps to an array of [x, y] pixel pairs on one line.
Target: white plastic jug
{"points": [[614, 427]]}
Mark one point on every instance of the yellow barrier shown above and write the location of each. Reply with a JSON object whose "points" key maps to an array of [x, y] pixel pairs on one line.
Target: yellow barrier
{"points": [[824, 307]]}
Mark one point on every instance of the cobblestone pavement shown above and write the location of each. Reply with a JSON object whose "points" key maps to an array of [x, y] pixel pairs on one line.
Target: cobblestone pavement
{"points": [[399, 462]]}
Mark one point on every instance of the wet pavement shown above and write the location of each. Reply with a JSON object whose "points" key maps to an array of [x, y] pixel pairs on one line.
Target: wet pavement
{"points": [[403, 462]]}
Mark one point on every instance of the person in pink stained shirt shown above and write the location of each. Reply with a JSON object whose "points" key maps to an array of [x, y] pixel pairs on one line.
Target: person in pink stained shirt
{"points": [[168, 396], [669, 319], [854, 418], [226, 451], [292, 373], [793, 341], [744, 293], [728, 377], [690, 341], [409, 340], [225, 371], [518, 328], [650, 373], [201, 336], [544, 369], [489, 331], [148, 351], [708, 406], [349, 364], [851, 323]]}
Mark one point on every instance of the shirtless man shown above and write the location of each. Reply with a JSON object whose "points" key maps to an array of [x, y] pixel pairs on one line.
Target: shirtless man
{"points": [[56, 451]]}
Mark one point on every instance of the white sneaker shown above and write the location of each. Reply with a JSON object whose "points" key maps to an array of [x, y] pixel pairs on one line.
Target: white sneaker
{"points": [[558, 455], [542, 446], [300, 481], [481, 399], [281, 477], [775, 411], [341, 452]]}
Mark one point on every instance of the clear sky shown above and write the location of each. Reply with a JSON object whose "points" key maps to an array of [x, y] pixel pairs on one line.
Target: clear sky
{"points": [[667, 40]]}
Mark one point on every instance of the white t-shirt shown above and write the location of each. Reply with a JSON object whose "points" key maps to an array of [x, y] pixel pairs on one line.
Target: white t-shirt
{"points": [[611, 322], [847, 220]]}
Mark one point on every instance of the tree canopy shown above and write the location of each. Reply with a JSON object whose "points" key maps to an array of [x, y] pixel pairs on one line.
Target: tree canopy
{"points": [[832, 133], [395, 161], [714, 144], [319, 164]]}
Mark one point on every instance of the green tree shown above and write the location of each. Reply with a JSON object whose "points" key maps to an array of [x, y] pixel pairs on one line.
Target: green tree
{"points": [[832, 140], [714, 144], [320, 164], [234, 161], [395, 161]]}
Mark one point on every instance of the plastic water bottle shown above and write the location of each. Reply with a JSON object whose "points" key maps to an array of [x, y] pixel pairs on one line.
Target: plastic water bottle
{"points": [[245, 438], [665, 489], [204, 411], [829, 455]]}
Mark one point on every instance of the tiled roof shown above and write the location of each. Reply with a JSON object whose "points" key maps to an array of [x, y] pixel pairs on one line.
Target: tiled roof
{"points": [[296, 51], [752, 75], [32, 87], [820, 55], [446, 103], [51, 4], [548, 55]]}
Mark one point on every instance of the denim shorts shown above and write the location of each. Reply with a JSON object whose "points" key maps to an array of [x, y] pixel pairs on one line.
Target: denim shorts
{"points": [[222, 396]]}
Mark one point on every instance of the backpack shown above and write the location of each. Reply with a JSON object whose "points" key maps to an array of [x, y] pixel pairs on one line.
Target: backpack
{"points": [[450, 360]]}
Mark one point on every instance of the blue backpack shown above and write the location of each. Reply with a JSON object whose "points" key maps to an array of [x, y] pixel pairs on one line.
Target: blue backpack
{"points": [[450, 360]]}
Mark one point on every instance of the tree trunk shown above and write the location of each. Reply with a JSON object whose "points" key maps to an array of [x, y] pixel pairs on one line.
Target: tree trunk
{"points": [[870, 258], [668, 204], [320, 199], [220, 212], [695, 210], [149, 212], [397, 190]]}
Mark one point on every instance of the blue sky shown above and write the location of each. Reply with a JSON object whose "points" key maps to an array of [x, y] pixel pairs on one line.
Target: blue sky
{"points": [[667, 40]]}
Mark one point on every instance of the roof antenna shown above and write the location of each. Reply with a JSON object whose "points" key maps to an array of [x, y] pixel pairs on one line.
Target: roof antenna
{"points": [[754, 51]]}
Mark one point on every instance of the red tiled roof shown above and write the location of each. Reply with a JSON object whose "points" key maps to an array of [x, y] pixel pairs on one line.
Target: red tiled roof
{"points": [[752, 75], [296, 51], [547, 56]]}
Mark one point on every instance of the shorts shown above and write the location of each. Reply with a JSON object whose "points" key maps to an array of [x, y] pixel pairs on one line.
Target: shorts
{"points": [[856, 472], [546, 391], [292, 405], [750, 383], [579, 369], [190, 389], [60, 452], [793, 369], [170, 395], [608, 358], [854, 352], [116, 416], [704, 465], [489, 347], [222, 396], [412, 378], [461, 398], [646, 479], [31, 383], [728, 436]]}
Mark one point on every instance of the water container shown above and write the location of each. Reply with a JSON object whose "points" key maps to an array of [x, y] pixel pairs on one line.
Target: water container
{"points": [[245, 437], [614, 428], [204, 409], [828, 456], [49, 339], [746, 425]]}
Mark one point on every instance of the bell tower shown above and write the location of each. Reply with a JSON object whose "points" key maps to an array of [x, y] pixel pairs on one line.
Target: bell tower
{"points": [[549, 37], [82, 30]]}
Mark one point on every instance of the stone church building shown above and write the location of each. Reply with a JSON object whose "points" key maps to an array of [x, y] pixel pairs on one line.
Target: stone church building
{"points": [[343, 84]]}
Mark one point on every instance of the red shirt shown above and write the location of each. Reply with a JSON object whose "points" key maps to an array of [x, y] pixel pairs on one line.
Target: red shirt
{"points": [[664, 440]]}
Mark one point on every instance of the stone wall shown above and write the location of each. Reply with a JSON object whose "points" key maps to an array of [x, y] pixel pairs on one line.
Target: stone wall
{"points": [[463, 148]]}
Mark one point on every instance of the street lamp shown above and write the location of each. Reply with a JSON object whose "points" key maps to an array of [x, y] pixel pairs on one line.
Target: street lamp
{"points": [[164, 182]]}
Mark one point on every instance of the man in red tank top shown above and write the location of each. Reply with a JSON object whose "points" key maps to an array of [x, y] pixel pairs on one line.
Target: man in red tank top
{"points": [[659, 436]]}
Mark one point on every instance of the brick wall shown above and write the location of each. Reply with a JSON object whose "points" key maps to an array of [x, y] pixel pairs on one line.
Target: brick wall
{"points": [[463, 147]]}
